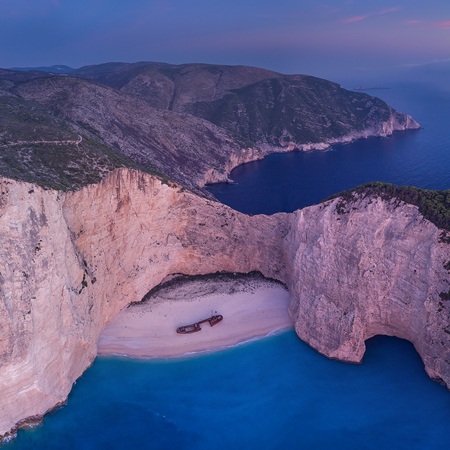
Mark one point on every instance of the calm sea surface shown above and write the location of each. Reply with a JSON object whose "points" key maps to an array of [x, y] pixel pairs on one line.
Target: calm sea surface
{"points": [[286, 182], [278, 393]]}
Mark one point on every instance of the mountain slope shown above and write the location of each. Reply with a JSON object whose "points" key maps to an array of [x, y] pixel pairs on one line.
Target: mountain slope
{"points": [[178, 146], [39, 146], [258, 106], [173, 87], [191, 123]]}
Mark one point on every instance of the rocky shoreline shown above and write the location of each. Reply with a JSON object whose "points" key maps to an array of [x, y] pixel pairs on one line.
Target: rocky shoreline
{"points": [[73, 260], [397, 122]]}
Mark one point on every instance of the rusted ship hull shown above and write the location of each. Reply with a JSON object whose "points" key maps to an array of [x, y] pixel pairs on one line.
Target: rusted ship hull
{"points": [[195, 327]]}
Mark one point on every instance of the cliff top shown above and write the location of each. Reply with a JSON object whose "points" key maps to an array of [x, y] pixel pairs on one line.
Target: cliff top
{"points": [[433, 205]]}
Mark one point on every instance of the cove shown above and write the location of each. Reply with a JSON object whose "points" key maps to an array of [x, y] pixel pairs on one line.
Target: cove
{"points": [[278, 393], [271, 394]]}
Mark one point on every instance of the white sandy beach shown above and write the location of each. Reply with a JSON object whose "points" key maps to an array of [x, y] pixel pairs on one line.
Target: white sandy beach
{"points": [[251, 309]]}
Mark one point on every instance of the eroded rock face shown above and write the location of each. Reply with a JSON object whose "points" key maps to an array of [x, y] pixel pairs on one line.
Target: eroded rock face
{"points": [[71, 261], [146, 230], [46, 316], [375, 268]]}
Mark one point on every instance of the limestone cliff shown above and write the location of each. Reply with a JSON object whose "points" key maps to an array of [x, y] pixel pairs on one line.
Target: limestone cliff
{"points": [[46, 332], [375, 267], [71, 261]]}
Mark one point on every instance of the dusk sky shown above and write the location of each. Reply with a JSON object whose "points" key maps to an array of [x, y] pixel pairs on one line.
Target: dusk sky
{"points": [[321, 37]]}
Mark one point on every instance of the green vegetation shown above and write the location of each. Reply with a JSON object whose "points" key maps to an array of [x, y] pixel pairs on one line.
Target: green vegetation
{"points": [[433, 205], [38, 147], [306, 110], [28, 121], [62, 167], [444, 237]]}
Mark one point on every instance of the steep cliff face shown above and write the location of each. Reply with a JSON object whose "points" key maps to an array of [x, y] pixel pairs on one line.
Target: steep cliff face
{"points": [[71, 261], [133, 231], [375, 267], [46, 331]]}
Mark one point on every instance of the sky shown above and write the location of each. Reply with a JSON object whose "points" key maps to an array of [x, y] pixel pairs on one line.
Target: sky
{"points": [[325, 38]]}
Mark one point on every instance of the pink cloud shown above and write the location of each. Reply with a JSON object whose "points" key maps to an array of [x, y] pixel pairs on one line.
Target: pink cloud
{"points": [[444, 25], [388, 10], [382, 12], [355, 18]]}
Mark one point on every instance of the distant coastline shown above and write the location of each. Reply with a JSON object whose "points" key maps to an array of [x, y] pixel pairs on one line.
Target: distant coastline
{"points": [[366, 88]]}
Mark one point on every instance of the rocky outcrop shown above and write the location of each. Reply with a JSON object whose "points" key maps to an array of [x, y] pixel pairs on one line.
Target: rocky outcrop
{"points": [[71, 261], [374, 267]]}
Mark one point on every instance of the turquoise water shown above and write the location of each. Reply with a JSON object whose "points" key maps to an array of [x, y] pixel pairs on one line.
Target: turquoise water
{"points": [[278, 393], [273, 394]]}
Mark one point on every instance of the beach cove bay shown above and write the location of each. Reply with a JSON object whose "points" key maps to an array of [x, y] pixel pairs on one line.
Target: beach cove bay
{"points": [[278, 392]]}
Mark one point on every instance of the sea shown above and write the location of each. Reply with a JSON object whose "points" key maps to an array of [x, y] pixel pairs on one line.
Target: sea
{"points": [[278, 393], [289, 181]]}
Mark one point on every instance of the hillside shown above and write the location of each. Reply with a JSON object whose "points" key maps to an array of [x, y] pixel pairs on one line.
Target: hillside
{"points": [[258, 106], [116, 130], [192, 123]]}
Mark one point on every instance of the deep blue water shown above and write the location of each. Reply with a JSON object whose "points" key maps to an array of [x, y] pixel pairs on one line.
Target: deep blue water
{"points": [[272, 394], [278, 393], [286, 182]]}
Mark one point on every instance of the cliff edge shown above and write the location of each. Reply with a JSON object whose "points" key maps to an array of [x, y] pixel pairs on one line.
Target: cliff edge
{"points": [[71, 261], [374, 267]]}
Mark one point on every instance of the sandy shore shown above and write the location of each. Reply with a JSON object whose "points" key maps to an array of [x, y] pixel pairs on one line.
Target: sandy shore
{"points": [[251, 309]]}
